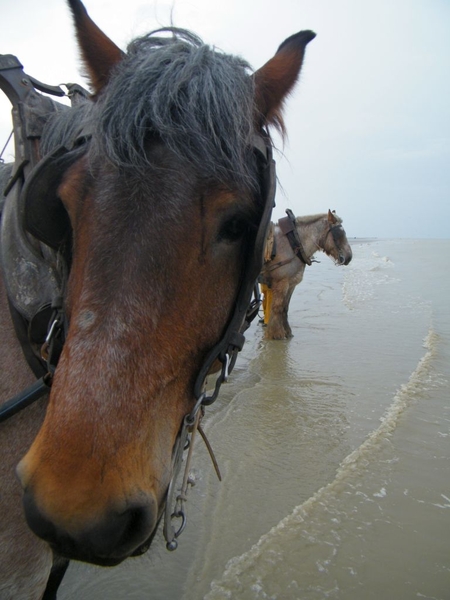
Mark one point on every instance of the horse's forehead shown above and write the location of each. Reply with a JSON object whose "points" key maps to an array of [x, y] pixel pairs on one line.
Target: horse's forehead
{"points": [[170, 196], [132, 237]]}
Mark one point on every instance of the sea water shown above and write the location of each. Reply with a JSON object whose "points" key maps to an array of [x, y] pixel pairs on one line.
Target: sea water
{"points": [[334, 448]]}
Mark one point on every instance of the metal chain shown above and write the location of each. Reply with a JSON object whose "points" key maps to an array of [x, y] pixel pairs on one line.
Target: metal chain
{"points": [[185, 441]]}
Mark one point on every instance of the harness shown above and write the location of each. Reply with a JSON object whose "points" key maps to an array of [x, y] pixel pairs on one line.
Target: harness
{"points": [[288, 227], [34, 266], [35, 256]]}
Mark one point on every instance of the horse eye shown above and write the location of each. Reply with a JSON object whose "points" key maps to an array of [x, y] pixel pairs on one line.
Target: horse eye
{"points": [[233, 229]]}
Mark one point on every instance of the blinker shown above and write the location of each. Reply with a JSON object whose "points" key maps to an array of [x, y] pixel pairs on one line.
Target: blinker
{"points": [[44, 214]]}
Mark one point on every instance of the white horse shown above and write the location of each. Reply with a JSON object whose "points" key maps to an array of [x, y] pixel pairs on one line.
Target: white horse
{"points": [[291, 246]]}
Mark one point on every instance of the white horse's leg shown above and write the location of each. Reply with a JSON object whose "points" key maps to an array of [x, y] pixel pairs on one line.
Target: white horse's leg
{"points": [[276, 326], [287, 300]]}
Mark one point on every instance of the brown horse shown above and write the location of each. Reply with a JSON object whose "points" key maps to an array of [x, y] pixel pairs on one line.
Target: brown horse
{"points": [[150, 190], [285, 268]]}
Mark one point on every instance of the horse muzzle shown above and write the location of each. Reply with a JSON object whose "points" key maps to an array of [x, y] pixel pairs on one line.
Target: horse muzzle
{"points": [[344, 259], [106, 541]]}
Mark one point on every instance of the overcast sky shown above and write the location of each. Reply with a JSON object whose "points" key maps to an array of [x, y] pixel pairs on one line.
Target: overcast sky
{"points": [[368, 124]]}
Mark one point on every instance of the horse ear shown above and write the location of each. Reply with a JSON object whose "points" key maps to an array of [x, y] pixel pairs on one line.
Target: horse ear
{"points": [[98, 52], [276, 79], [331, 217]]}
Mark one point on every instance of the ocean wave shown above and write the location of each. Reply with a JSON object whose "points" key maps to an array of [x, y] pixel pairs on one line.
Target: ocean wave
{"points": [[244, 575], [363, 276]]}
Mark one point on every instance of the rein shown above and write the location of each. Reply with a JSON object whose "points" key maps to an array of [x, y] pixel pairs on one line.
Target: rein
{"points": [[25, 398], [279, 264], [50, 351]]}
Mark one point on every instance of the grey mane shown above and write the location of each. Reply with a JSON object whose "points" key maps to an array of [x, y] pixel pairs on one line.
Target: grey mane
{"points": [[63, 128], [198, 101], [310, 219]]}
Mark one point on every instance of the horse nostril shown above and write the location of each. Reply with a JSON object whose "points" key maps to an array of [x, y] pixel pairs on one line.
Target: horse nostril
{"points": [[105, 541], [120, 533]]}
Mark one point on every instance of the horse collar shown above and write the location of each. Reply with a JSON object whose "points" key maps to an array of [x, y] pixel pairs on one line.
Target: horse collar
{"points": [[289, 228]]}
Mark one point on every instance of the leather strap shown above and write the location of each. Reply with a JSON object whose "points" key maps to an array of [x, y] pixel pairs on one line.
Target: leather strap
{"points": [[245, 311], [288, 227]]}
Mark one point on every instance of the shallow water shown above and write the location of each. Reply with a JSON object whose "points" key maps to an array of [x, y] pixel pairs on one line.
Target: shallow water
{"points": [[333, 446]]}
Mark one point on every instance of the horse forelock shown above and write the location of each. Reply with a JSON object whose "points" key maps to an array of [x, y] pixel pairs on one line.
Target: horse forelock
{"points": [[198, 101]]}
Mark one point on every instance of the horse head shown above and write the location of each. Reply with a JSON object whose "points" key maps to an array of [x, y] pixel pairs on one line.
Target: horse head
{"points": [[163, 200], [334, 239]]}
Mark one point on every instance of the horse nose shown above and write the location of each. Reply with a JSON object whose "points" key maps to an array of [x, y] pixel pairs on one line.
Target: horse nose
{"points": [[106, 541]]}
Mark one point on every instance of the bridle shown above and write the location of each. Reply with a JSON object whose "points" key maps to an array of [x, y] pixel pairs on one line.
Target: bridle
{"points": [[336, 230], [245, 309], [227, 349]]}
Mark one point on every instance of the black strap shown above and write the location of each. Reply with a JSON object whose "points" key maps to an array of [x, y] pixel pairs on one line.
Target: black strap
{"points": [[245, 310], [20, 401], [288, 227]]}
